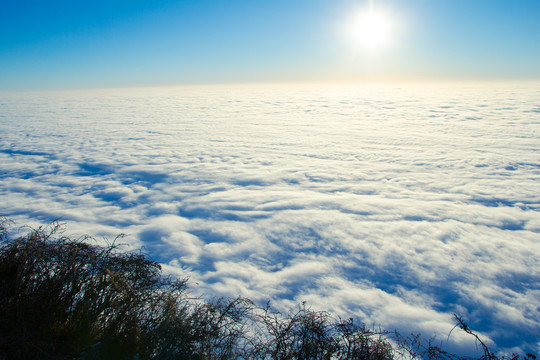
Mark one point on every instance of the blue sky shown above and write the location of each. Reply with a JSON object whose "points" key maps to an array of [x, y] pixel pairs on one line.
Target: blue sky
{"points": [[78, 44]]}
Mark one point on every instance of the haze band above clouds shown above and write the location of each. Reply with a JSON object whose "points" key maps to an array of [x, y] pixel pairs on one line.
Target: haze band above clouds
{"points": [[400, 205]]}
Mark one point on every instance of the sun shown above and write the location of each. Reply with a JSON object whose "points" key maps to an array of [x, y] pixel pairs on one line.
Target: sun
{"points": [[371, 29]]}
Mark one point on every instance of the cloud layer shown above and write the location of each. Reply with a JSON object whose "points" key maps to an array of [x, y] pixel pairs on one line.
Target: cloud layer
{"points": [[400, 205]]}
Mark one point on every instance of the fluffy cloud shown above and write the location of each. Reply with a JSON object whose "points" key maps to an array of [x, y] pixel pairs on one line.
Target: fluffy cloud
{"points": [[399, 205]]}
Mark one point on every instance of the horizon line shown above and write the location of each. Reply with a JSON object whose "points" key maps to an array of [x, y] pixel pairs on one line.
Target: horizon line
{"points": [[288, 83]]}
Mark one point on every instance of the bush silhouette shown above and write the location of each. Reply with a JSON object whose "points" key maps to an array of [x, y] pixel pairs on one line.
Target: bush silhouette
{"points": [[307, 334], [64, 298]]}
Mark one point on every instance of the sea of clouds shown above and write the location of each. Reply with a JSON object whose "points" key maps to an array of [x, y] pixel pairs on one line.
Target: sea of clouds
{"points": [[399, 205]]}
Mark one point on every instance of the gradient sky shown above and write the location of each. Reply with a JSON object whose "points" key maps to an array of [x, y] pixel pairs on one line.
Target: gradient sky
{"points": [[58, 44]]}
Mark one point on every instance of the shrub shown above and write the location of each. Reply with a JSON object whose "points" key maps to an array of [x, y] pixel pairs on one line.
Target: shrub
{"points": [[66, 298], [307, 334]]}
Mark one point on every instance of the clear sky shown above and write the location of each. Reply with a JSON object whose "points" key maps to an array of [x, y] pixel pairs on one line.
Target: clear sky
{"points": [[60, 44]]}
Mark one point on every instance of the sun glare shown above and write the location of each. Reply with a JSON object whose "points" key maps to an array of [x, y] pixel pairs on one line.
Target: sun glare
{"points": [[371, 29]]}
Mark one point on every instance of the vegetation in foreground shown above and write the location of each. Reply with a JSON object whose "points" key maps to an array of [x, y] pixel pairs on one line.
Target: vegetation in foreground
{"points": [[64, 298]]}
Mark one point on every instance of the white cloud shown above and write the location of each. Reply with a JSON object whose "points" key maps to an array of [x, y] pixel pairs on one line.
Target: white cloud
{"points": [[399, 205]]}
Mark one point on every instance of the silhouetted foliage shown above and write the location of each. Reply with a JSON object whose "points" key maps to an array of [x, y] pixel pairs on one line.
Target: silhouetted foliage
{"points": [[64, 298], [307, 334]]}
